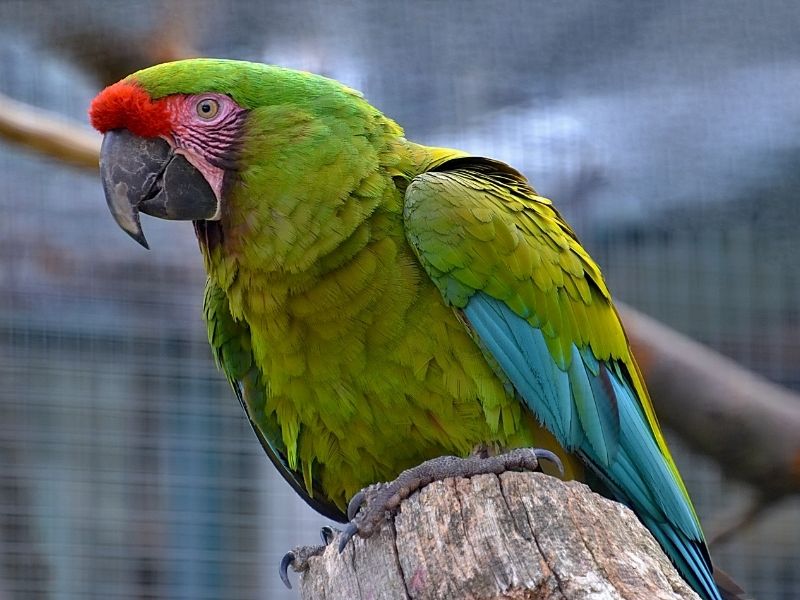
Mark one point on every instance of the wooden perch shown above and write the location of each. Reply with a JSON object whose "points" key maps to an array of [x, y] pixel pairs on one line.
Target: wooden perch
{"points": [[48, 134], [519, 536]]}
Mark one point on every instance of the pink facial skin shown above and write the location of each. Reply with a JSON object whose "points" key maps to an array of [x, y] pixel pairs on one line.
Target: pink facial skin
{"points": [[208, 139], [207, 142]]}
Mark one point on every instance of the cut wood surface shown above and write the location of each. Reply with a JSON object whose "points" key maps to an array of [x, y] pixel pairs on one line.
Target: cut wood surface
{"points": [[519, 536]]}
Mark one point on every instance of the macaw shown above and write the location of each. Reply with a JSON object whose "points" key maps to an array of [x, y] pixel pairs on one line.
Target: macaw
{"points": [[376, 303]]}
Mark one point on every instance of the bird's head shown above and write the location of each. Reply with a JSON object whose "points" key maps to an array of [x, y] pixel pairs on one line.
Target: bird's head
{"points": [[178, 137]]}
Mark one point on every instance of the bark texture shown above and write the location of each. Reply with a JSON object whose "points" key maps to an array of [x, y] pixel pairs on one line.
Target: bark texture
{"points": [[519, 536]]}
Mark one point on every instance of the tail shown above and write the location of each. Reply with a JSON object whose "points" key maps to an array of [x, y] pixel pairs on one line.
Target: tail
{"points": [[728, 588], [690, 558]]}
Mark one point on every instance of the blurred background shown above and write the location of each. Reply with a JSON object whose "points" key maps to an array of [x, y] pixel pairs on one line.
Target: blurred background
{"points": [[667, 133]]}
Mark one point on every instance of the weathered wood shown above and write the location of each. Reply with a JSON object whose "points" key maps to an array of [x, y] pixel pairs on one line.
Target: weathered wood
{"points": [[519, 536]]}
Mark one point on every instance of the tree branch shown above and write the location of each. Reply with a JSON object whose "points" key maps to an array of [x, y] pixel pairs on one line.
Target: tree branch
{"points": [[519, 536], [747, 424], [48, 134]]}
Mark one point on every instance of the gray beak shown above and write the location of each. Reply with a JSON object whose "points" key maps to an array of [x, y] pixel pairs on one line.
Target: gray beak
{"points": [[144, 175]]}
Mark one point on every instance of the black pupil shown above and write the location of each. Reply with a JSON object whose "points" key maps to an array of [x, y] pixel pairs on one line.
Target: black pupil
{"points": [[206, 107]]}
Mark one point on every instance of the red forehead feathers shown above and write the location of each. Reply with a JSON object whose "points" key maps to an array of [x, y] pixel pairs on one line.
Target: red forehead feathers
{"points": [[124, 105]]}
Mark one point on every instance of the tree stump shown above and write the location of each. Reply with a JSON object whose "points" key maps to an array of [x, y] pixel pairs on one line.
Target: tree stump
{"points": [[519, 536]]}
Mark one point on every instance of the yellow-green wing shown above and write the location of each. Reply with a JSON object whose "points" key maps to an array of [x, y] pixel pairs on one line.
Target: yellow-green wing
{"points": [[230, 342], [537, 304]]}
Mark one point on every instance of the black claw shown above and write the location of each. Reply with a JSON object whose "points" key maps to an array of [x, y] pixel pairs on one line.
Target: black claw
{"points": [[355, 504], [327, 533], [347, 535], [283, 570], [542, 454]]}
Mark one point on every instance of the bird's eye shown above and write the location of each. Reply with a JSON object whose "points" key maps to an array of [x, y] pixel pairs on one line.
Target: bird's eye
{"points": [[207, 108]]}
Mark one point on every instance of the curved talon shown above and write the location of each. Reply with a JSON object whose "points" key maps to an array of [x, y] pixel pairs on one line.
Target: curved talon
{"points": [[327, 533], [283, 570], [542, 454], [347, 535], [355, 504]]}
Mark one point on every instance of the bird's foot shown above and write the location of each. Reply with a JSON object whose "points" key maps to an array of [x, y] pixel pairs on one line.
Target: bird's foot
{"points": [[370, 507], [297, 558]]}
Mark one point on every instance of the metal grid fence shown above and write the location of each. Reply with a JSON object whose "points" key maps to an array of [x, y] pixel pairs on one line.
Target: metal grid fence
{"points": [[126, 467]]}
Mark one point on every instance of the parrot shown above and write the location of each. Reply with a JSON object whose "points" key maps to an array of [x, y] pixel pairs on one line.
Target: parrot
{"points": [[376, 303]]}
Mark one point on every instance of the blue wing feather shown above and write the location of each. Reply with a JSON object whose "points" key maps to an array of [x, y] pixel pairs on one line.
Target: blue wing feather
{"points": [[593, 411], [515, 354], [597, 417]]}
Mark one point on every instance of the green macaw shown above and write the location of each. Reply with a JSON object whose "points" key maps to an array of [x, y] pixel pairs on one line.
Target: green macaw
{"points": [[375, 302]]}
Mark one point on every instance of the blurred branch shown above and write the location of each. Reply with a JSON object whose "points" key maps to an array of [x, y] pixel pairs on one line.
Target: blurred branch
{"points": [[109, 58], [48, 134], [747, 424], [727, 527]]}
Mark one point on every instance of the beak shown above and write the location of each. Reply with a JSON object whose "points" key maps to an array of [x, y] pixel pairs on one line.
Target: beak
{"points": [[143, 174]]}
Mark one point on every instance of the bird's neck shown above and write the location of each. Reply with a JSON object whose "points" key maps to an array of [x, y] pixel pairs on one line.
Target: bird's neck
{"points": [[279, 225], [281, 235]]}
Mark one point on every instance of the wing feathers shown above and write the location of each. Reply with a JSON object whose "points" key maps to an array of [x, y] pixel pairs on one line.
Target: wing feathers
{"points": [[522, 354], [617, 444], [598, 415], [539, 308]]}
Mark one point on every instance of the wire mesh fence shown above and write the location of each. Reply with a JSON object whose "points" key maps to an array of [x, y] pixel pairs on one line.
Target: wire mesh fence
{"points": [[126, 467]]}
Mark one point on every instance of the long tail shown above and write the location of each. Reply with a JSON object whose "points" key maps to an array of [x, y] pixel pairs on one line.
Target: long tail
{"points": [[690, 558], [729, 589]]}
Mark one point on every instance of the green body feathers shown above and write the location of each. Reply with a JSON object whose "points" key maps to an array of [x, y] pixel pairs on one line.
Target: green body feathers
{"points": [[376, 303]]}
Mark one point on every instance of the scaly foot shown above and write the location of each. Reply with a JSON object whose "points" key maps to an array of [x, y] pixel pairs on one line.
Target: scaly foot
{"points": [[297, 559], [383, 498]]}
